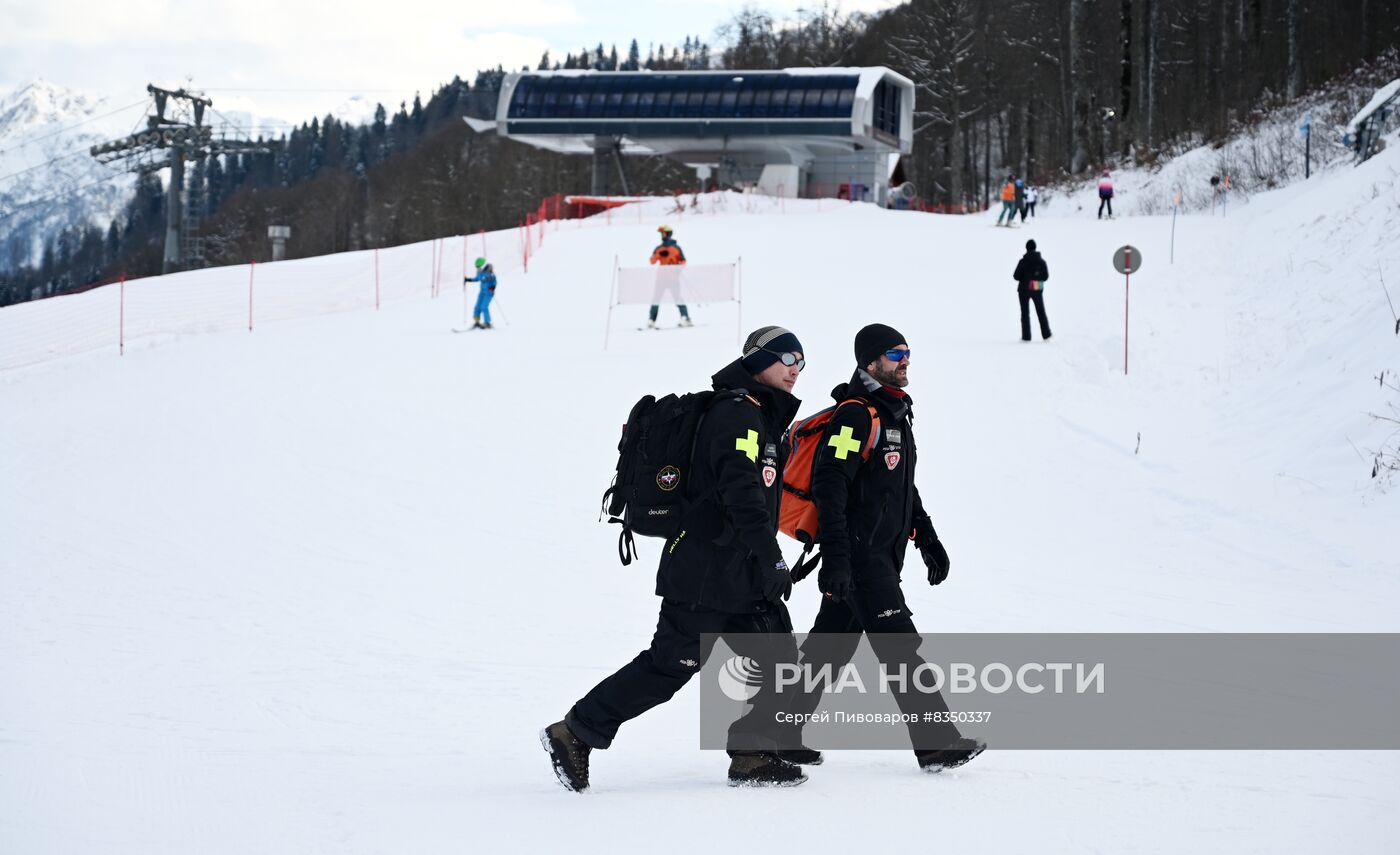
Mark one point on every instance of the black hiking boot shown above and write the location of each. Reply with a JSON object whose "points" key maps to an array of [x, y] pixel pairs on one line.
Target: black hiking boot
{"points": [[763, 770], [570, 756], [955, 755], [803, 756]]}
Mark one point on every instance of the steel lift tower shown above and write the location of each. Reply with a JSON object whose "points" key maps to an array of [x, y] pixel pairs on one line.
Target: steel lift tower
{"points": [[169, 141]]}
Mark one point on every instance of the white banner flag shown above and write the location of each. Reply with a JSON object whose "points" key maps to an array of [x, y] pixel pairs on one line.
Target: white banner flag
{"points": [[677, 283]]}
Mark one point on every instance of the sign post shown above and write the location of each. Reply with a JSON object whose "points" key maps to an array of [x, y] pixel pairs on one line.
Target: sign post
{"points": [[1306, 130], [1126, 261], [1176, 204]]}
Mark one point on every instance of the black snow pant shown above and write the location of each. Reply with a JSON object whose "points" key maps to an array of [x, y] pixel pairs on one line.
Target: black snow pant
{"points": [[1105, 201], [877, 610], [1028, 296], [1030, 207], [675, 655]]}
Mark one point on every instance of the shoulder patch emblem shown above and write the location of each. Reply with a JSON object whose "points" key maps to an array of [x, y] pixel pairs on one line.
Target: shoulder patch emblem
{"points": [[668, 478], [894, 436], [769, 476], [892, 460]]}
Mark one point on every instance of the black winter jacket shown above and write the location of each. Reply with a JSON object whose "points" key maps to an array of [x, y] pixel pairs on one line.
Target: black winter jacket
{"points": [[730, 531], [1031, 266], [868, 509]]}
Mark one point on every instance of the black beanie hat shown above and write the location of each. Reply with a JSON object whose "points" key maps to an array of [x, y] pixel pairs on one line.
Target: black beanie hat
{"points": [[757, 347], [1030, 246], [874, 340]]}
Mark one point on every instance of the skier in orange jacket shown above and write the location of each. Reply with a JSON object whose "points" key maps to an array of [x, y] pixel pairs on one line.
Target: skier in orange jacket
{"points": [[667, 254], [1008, 200]]}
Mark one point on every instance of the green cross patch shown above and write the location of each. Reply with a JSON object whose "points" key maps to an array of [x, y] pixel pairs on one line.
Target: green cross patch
{"points": [[844, 443], [748, 445]]}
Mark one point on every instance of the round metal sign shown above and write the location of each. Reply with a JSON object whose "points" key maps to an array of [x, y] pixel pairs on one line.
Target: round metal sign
{"points": [[1127, 259]]}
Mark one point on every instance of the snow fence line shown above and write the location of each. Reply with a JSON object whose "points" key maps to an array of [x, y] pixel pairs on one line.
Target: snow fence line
{"points": [[243, 297]]}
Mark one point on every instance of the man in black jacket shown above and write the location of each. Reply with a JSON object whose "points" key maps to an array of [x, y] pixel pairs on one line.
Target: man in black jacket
{"points": [[1031, 273], [868, 510], [722, 573]]}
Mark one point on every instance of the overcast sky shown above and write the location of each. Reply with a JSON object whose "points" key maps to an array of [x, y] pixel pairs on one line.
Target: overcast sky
{"points": [[318, 53]]}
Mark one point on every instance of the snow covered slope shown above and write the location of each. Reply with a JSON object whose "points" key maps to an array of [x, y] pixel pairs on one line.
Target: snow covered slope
{"points": [[315, 588]]}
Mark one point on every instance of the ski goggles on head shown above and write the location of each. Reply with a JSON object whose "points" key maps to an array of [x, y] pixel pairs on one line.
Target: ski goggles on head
{"points": [[788, 359], [895, 355]]}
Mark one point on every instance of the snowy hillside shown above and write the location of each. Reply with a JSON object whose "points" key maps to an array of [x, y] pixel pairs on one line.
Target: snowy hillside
{"points": [[48, 181], [315, 588]]}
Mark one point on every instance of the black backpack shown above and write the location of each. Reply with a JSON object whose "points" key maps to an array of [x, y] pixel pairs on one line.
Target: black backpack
{"points": [[648, 495]]}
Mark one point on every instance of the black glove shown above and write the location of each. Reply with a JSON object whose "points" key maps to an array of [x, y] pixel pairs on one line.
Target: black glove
{"points": [[834, 578], [936, 560], [776, 583]]}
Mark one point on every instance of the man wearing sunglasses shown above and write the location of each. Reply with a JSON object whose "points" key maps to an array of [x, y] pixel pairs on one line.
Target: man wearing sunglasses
{"points": [[723, 573], [868, 510]]}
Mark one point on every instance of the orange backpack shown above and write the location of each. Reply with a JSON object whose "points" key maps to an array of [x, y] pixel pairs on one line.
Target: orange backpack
{"points": [[797, 516]]}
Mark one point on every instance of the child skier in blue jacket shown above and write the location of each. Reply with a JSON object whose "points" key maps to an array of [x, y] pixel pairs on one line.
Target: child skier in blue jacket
{"points": [[481, 315]]}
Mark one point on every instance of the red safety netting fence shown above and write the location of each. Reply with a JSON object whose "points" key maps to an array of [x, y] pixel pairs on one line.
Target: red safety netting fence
{"points": [[220, 299], [242, 297]]}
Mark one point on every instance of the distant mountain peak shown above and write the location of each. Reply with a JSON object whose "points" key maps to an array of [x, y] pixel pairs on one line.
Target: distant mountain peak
{"points": [[40, 102]]}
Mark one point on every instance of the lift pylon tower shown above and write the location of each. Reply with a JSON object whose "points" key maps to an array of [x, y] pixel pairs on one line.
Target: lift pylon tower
{"points": [[169, 141]]}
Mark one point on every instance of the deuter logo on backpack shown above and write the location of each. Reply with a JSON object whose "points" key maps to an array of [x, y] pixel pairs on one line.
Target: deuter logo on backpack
{"points": [[648, 494]]}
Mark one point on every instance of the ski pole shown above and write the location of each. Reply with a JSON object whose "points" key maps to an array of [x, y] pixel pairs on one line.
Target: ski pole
{"points": [[464, 301], [497, 301]]}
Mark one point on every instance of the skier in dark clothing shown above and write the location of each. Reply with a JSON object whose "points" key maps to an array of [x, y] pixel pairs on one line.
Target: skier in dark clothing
{"points": [[868, 510], [1031, 273], [1106, 195], [723, 573]]}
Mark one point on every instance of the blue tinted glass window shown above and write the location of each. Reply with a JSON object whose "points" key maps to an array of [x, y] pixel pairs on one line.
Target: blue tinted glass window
{"points": [[645, 99], [762, 102], [777, 103], [680, 103], [846, 101], [578, 99], [517, 98], [794, 103], [712, 103], [829, 97], [743, 107], [614, 102], [597, 101], [663, 102]]}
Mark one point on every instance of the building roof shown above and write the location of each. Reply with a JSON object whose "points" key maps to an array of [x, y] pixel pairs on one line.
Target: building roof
{"points": [[701, 112]]}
